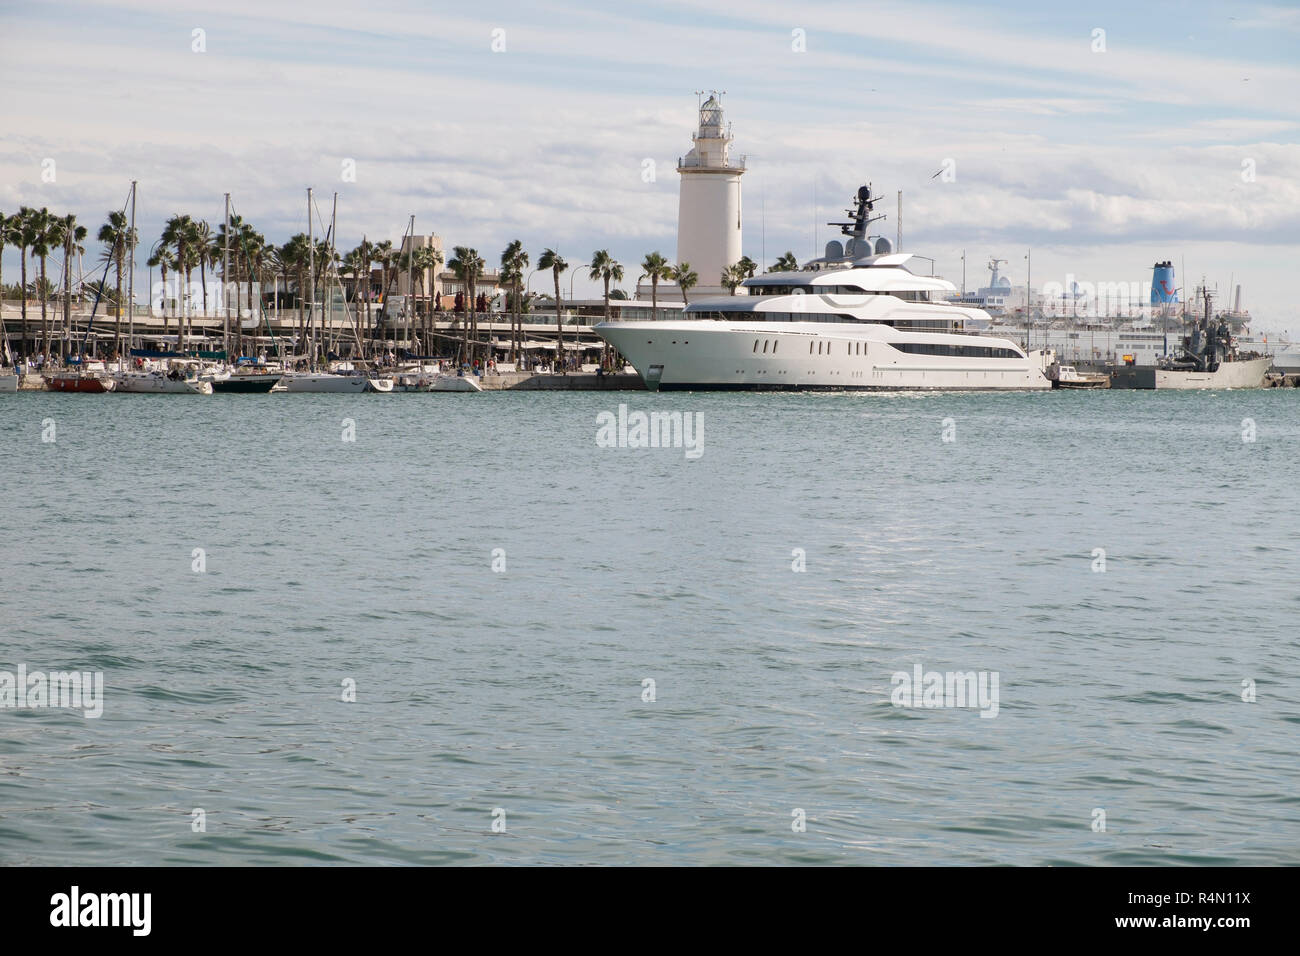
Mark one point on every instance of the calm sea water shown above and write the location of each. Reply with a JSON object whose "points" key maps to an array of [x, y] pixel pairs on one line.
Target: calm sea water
{"points": [[517, 696]]}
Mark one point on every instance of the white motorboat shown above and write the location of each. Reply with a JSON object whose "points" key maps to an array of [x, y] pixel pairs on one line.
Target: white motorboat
{"points": [[858, 318], [348, 382], [158, 382], [445, 382], [415, 378]]}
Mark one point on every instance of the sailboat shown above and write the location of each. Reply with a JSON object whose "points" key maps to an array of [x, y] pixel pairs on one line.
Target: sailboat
{"points": [[91, 377], [181, 378], [352, 381], [344, 376]]}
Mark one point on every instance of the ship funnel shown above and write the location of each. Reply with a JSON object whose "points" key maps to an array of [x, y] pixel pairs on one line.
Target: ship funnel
{"points": [[1163, 288]]}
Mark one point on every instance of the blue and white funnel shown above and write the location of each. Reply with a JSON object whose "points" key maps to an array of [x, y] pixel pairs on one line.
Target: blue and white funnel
{"points": [[1163, 289]]}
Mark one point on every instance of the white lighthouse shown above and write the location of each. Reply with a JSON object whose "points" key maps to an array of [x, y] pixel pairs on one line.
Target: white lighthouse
{"points": [[708, 212]]}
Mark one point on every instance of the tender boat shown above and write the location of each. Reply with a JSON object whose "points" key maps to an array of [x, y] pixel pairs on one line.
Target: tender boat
{"points": [[858, 318], [1067, 376]]}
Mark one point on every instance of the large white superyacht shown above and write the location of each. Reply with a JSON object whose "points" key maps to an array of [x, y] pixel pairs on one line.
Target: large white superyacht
{"points": [[858, 318]]}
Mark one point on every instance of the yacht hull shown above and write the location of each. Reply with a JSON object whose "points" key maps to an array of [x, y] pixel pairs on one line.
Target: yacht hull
{"points": [[92, 384], [708, 355], [161, 385], [244, 384], [324, 382]]}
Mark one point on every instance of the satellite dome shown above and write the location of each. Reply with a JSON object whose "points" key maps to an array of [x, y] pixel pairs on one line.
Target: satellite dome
{"points": [[883, 246]]}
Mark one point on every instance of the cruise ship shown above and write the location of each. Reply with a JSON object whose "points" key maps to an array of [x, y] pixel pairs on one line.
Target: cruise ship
{"points": [[859, 318]]}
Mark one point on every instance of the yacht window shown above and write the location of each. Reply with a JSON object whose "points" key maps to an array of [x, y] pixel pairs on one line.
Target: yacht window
{"points": [[765, 346], [962, 351], [755, 345]]}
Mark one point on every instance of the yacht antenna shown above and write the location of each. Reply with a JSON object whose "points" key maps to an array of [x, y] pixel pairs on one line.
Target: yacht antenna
{"points": [[860, 215]]}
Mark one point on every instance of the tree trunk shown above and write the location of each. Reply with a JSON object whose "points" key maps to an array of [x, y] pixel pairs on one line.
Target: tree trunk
{"points": [[45, 323], [606, 357], [559, 325], [67, 293], [117, 326], [164, 302], [22, 261], [302, 324]]}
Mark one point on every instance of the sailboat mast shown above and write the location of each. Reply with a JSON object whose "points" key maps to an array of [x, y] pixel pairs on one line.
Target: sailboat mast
{"points": [[410, 282], [130, 278], [225, 282], [329, 294], [311, 279]]}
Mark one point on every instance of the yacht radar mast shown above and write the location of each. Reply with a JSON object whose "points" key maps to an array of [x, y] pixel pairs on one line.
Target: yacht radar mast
{"points": [[856, 227]]}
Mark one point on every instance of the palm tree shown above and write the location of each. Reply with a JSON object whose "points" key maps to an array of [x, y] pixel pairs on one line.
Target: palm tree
{"points": [[71, 236], [117, 236], [179, 231], [385, 255], [8, 237], [24, 229], [423, 261], [733, 276], [655, 267], [359, 260], [207, 254], [248, 256], [294, 255], [608, 269], [513, 263], [550, 259], [164, 259], [467, 265], [685, 278], [44, 237], [748, 266], [787, 263]]}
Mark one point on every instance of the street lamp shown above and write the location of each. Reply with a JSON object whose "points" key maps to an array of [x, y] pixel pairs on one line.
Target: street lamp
{"points": [[573, 275]]}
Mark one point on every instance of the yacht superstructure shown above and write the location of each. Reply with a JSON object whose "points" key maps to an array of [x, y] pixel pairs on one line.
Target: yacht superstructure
{"points": [[858, 318]]}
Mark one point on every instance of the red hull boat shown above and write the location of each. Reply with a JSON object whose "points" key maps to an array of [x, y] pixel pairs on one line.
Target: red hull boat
{"points": [[79, 383]]}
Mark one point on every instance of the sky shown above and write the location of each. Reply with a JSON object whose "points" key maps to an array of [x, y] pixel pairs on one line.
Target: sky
{"points": [[1096, 137]]}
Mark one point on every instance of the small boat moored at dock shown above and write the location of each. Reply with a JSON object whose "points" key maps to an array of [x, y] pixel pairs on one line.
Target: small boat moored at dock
{"points": [[92, 380], [1067, 376], [176, 381]]}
